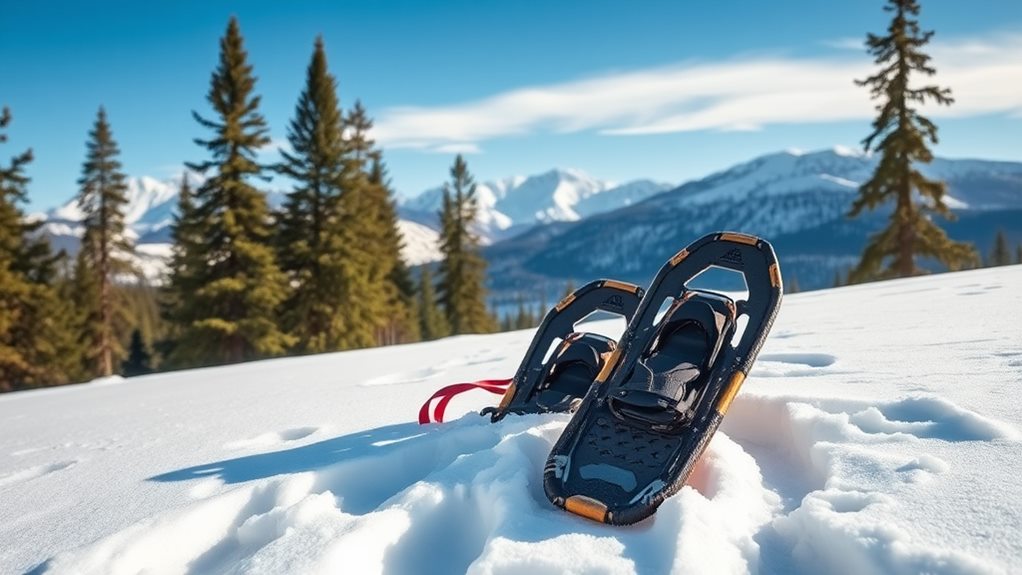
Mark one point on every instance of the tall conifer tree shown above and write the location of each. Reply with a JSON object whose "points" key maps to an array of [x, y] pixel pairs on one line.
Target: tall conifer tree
{"points": [[900, 134], [186, 261], [400, 324], [231, 314], [35, 344], [102, 199], [463, 269], [372, 224], [317, 245]]}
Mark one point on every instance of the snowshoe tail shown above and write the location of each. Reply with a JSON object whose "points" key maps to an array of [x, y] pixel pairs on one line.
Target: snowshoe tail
{"points": [[559, 383], [661, 396]]}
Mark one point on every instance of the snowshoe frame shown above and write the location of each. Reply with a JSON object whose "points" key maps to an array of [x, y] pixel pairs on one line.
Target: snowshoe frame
{"points": [[602, 435]]}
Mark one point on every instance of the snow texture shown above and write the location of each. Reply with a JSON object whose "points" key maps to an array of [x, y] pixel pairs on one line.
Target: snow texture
{"points": [[878, 433]]}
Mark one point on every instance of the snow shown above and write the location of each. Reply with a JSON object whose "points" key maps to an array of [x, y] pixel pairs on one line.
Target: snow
{"points": [[559, 195], [420, 243], [877, 433]]}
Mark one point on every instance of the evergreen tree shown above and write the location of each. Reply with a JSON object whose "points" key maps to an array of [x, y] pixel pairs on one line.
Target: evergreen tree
{"points": [[433, 324], [375, 226], [1001, 254], [900, 134], [138, 361], [230, 315], [35, 345], [186, 261], [318, 243], [399, 321], [102, 199], [463, 269]]}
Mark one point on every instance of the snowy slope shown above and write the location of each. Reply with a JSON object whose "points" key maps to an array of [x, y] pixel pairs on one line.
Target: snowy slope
{"points": [[420, 243], [878, 433]]}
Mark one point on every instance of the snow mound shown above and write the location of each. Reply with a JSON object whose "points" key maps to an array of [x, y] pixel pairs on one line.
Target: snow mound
{"points": [[851, 449]]}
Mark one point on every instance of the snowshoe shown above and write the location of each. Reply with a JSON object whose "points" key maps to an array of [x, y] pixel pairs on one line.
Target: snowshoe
{"points": [[557, 381], [661, 396]]}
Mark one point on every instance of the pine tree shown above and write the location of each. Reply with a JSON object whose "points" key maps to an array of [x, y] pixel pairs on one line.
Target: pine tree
{"points": [[230, 315], [102, 199], [900, 133], [318, 243], [138, 361], [1000, 255], [35, 345], [433, 324], [463, 269], [186, 261], [400, 323], [375, 227]]}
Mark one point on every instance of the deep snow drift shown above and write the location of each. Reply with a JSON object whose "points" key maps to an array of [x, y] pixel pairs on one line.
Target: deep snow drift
{"points": [[879, 432]]}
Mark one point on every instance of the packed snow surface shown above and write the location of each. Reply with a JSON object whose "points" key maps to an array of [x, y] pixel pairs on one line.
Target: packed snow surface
{"points": [[878, 433]]}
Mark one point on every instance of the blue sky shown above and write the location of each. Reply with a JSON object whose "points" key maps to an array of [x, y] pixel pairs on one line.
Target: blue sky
{"points": [[667, 90]]}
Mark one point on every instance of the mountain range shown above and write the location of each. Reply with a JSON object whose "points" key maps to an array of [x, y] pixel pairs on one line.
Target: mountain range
{"points": [[564, 225], [506, 207], [797, 200]]}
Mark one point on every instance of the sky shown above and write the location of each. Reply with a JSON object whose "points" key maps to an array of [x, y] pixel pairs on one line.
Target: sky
{"points": [[665, 90]]}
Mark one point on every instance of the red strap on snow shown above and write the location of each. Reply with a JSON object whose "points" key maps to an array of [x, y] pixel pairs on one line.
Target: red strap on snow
{"points": [[446, 394]]}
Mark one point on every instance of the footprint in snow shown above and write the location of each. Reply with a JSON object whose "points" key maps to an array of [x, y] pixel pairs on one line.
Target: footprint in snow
{"points": [[272, 438], [414, 376], [35, 472], [794, 364]]}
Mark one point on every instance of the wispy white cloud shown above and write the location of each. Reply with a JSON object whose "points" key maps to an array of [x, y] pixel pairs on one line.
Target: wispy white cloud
{"points": [[457, 148], [736, 94]]}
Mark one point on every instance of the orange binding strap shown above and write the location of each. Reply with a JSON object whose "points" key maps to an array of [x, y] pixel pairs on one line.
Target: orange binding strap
{"points": [[446, 394]]}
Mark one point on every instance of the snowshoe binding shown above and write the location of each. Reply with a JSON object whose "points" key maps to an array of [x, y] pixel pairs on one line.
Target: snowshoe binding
{"points": [[558, 384], [553, 382], [661, 396]]}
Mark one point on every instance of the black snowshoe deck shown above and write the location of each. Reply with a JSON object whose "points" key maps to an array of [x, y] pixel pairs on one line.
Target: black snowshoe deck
{"points": [[661, 396], [558, 383]]}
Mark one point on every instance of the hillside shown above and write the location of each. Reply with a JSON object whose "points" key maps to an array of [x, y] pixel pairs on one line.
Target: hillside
{"points": [[876, 434], [797, 200]]}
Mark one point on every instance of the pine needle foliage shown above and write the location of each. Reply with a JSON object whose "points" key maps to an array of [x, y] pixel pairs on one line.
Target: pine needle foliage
{"points": [[36, 346], [901, 135], [231, 314], [103, 198], [463, 270]]}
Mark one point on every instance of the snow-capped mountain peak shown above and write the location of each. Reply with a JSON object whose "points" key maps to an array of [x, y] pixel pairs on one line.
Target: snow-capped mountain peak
{"points": [[558, 195]]}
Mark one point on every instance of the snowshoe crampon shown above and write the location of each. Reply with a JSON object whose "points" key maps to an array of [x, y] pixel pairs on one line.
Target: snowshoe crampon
{"points": [[661, 396], [554, 381]]}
